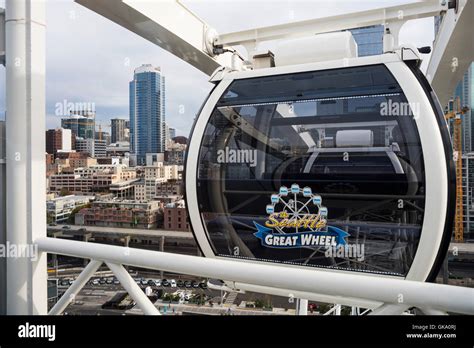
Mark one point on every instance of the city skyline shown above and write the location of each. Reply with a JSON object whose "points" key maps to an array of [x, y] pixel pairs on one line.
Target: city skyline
{"points": [[100, 69], [327, 150]]}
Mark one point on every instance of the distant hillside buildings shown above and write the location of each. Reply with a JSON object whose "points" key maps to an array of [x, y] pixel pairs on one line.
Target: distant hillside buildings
{"points": [[132, 178]]}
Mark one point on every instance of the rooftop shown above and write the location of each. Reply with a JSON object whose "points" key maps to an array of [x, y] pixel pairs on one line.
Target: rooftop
{"points": [[147, 68]]}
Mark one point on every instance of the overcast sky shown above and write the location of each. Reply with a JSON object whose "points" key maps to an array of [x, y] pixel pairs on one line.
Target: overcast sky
{"points": [[91, 60]]}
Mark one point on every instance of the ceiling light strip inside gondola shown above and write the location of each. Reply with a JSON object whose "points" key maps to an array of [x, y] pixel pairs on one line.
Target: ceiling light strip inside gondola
{"points": [[317, 100]]}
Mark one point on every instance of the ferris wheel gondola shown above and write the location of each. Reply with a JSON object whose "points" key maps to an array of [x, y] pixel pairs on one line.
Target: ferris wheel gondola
{"points": [[366, 135]]}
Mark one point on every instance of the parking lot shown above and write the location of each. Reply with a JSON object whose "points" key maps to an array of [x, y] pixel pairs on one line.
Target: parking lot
{"points": [[177, 295]]}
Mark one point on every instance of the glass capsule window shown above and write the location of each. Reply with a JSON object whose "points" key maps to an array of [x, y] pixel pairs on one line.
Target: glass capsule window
{"points": [[316, 169]]}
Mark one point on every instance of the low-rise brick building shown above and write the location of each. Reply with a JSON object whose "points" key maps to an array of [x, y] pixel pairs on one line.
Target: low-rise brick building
{"points": [[120, 214], [175, 217]]}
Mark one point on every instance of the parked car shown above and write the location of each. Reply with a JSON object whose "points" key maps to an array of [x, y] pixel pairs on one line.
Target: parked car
{"points": [[137, 280], [66, 227], [157, 282], [173, 283], [165, 283], [187, 284], [102, 281], [109, 281], [116, 281], [143, 282], [195, 284], [151, 282], [64, 282], [95, 281], [203, 285], [180, 283]]}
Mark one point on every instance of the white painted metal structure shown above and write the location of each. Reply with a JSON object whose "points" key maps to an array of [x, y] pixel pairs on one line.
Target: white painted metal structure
{"points": [[311, 282], [161, 22], [197, 43], [2, 36], [26, 287], [436, 177], [453, 51]]}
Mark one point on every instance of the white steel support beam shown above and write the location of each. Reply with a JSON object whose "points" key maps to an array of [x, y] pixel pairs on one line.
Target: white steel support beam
{"points": [[2, 36], [75, 287], [346, 300], [168, 24], [390, 309], [302, 307], [382, 289], [430, 311], [453, 51], [3, 227], [336, 309], [133, 289], [426, 8], [25, 143]]}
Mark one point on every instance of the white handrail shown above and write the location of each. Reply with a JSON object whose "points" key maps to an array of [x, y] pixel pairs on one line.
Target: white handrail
{"points": [[387, 290]]}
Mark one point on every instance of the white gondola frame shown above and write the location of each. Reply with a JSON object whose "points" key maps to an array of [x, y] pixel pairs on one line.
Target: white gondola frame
{"points": [[436, 169]]}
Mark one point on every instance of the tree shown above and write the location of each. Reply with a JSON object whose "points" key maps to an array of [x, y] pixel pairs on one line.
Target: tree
{"points": [[64, 192], [76, 210]]}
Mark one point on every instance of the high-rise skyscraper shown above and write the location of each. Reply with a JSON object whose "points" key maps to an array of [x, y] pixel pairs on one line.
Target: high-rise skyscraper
{"points": [[147, 113], [465, 92], [81, 123], [118, 127]]}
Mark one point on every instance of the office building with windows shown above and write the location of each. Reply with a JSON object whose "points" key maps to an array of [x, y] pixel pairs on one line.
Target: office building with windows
{"points": [[468, 193], [94, 147], [58, 140], [81, 124], [147, 113], [118, 127], [465, 92]]}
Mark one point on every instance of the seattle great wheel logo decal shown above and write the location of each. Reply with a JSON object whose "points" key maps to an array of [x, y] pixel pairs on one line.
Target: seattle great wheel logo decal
{"points": [[297, 218]]}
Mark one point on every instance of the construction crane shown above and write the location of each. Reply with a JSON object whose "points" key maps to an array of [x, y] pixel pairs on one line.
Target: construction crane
{"points": [[100, 131], [100, 135], [455, 113]]}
